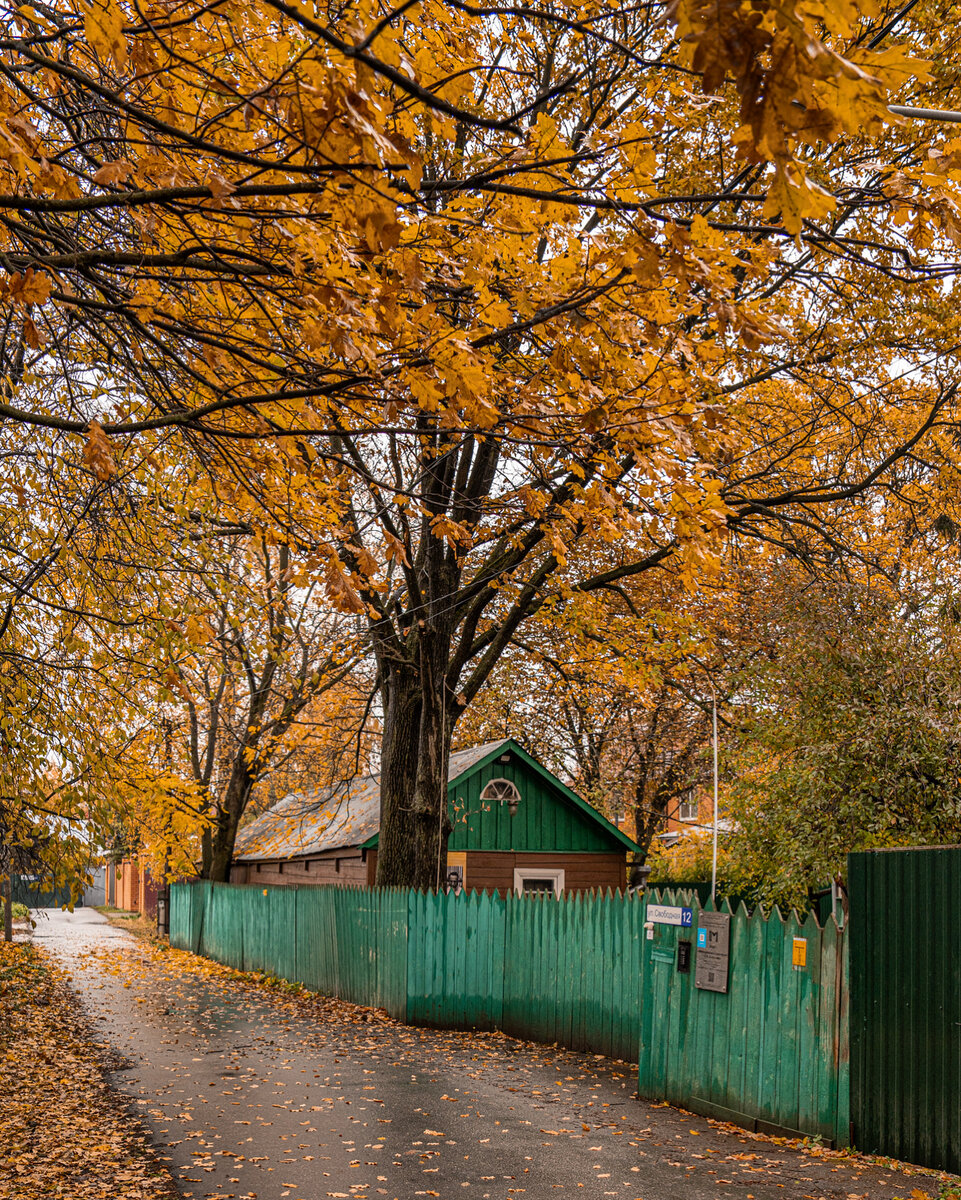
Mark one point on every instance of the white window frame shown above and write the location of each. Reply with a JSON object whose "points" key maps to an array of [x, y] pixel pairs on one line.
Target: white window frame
{"points": [[522, 873], [693, 803], [510, 794]]}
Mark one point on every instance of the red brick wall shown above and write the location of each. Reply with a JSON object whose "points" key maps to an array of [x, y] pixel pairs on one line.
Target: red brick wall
{"points": [[128, 885]]}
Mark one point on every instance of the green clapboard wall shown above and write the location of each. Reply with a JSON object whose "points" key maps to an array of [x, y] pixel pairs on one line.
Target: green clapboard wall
{"points": [[548, 818]]}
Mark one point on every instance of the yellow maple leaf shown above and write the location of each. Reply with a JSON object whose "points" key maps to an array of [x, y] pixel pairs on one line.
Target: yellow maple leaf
{"points": [[98, 453], [793, 197], [103, 25]]}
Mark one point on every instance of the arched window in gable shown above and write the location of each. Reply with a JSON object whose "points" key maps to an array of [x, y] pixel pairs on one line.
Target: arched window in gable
{"points": [[502, 791]]}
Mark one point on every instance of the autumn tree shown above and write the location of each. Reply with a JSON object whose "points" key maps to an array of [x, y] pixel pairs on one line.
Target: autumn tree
{"points": [[482, 308], [156, 661], [614, 692], [53, 739], [252, 672]]}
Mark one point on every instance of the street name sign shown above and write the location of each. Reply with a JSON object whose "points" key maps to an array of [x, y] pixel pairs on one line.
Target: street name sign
{"points": [[669, 914]]}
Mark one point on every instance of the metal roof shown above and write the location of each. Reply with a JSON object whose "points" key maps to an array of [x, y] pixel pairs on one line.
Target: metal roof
{"points": [[332, 818], [463, 760], [348, 814], [311, 822]]}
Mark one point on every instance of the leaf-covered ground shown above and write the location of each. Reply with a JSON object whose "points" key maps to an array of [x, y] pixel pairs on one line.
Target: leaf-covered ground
{"points": [[63, 1134], [257, 1091]]}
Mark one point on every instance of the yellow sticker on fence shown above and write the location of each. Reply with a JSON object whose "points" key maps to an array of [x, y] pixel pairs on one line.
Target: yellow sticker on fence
{"points": [[799, 954]]}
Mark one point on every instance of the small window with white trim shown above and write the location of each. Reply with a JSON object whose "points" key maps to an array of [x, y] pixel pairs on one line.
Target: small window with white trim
{"points": [[687, 806], [501, 791], [538, 881]]}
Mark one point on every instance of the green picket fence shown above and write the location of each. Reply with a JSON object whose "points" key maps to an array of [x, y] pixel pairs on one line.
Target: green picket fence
{"points": [[772, 1052], [580, 971], [545, 970], [346, 942], [554, 971]]}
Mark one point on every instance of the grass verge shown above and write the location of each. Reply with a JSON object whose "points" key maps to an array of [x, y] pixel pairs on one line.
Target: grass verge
{"points": [[63, 1134], [141, 927]]}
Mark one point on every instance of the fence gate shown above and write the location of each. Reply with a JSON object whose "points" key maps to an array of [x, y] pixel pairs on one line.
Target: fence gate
{"points": [[906, 1004], [755, 1035], [96, 890]]}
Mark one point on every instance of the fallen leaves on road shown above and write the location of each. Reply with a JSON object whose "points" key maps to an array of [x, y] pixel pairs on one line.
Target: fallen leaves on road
{"points": [[63, 1136], [229, 1039]]}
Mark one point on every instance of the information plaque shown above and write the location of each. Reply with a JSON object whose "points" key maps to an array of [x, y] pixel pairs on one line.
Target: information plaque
{"points": [[713, 951]]}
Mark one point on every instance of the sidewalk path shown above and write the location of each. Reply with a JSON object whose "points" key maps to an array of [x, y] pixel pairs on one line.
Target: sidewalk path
{"points": [[252, 1094]]}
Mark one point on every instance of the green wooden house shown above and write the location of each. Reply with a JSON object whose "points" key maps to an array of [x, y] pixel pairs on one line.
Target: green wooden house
{"points": [[516, 827]]}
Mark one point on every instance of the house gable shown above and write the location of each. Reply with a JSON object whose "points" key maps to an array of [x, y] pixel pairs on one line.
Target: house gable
{"points": [[549, 817]]}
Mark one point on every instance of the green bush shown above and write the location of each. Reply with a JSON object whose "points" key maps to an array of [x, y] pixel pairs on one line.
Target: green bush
{"points": [[20, 911]]}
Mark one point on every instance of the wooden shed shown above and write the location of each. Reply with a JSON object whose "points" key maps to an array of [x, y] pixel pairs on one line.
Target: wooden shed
{"points": [[516, 826]]}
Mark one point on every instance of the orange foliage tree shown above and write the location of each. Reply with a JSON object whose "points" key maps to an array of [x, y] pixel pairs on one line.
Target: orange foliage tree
{"points": [[482, 306]]}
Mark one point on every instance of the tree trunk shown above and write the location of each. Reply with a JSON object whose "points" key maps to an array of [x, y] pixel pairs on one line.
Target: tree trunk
{"points": [[396, 854], [206, 852], [418, 723], [431, 826], [223, 836], [667, 787], [7, 910], [649, 815]]}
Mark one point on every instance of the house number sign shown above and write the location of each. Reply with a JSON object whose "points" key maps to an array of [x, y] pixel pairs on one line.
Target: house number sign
{"points": [[669, 914]]}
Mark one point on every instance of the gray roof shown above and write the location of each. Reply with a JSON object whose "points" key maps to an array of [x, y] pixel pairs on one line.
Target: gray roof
{"points": [[463, 760], [332, 818]]}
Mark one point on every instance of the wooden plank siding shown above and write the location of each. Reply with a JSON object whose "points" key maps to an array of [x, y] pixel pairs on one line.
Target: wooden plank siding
{"points": [[486, 871], [493, 871], [544, 820], [349, 866]]}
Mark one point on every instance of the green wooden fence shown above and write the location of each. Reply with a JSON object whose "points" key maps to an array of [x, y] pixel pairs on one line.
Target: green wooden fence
{"points": [[554, 971], [346, 942], [579, 971], [772, 1052]]}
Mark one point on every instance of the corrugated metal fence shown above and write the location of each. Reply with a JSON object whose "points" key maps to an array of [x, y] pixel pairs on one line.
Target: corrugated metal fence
{"points": [[579, 971], [906, 1004]]}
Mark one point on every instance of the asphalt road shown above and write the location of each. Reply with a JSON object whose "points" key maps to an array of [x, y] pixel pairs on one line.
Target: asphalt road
{"points": [[250, 1094]]}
